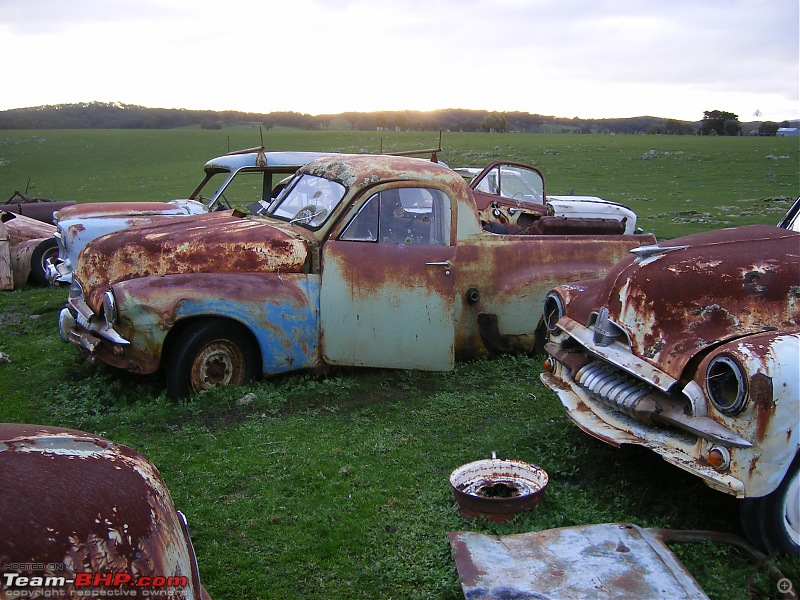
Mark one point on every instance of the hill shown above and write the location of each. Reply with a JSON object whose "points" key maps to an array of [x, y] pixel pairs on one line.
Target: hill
{"points": [[115, 115], [102, 115]]}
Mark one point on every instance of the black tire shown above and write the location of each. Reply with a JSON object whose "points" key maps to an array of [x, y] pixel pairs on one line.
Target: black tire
{"points": [[47, 249], [210, 354], [772, 522]]}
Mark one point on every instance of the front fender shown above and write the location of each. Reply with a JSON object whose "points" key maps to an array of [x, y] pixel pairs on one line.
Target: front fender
{"points": [[280, 310], [770, 416]]}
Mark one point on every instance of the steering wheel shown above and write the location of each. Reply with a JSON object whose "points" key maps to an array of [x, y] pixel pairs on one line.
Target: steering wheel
{"points": [[308, 213]]}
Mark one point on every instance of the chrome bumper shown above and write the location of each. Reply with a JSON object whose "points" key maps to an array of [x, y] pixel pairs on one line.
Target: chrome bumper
{"points": [[86, 334], [58, 271]]}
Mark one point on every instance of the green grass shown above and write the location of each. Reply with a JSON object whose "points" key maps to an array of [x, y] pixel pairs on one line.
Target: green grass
{"points": [[676, 184], [337, 486]]}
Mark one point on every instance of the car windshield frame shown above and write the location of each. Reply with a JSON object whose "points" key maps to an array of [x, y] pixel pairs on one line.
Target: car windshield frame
{"points": [[308, 201]]}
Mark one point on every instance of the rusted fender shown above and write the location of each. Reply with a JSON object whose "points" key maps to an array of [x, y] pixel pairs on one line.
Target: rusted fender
{"points": [[281, 310], [75, 503]]}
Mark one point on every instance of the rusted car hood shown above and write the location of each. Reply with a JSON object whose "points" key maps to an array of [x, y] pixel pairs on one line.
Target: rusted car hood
{"points": [[722, 285], [209, 243], [115, 209]]}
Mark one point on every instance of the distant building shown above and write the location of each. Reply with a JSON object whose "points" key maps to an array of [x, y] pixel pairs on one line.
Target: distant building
{"points": [[788, 132]]}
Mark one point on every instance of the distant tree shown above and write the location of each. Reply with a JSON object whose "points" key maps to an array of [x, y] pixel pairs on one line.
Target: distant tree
{"points": [[674, 127], [210, 125], [732, 127], [494, 121], [718, 122], [768, 128]]}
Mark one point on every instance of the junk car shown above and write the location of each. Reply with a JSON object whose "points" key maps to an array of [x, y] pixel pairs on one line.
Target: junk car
{"points": [[363, 260], [238, 179], [691, 348], [40, 209], [25, 247], [84, 516]]}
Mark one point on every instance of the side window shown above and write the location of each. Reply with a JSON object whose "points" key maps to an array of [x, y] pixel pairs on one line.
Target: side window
{"points": [[419, 216]]}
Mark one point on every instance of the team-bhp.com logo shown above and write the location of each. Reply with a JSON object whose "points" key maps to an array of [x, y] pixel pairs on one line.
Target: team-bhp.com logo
{"points": [[95, 585]]}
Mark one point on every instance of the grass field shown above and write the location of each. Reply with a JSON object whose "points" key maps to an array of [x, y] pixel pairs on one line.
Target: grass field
{"points": [[337, 487], [676, 184]]}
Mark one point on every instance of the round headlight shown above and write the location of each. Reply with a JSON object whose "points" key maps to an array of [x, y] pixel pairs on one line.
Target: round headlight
{"points": [[727, 385], [553, 311]]}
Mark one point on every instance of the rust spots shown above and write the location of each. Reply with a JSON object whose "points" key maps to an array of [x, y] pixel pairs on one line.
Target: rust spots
{"points": [[761, 394]]}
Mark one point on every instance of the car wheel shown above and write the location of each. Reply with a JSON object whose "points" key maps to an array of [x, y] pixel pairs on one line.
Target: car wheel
{"points": [[772, 522], [47, 249], [210, 354]]}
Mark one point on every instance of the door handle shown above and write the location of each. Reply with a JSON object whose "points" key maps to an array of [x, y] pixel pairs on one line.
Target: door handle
{"points": [[443, 263]]}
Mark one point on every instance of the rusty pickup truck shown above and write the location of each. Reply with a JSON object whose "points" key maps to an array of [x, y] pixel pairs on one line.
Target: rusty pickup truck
{"points": [[691, 348], [362, 260]]}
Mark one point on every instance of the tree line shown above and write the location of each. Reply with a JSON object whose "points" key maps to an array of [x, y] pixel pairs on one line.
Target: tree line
{"points": [[105, 115]]}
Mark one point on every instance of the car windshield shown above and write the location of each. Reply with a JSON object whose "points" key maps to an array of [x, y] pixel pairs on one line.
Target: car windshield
{"points": [[308, 201], [247, 190]]}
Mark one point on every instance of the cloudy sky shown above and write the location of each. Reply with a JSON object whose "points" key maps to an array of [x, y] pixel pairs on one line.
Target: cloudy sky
{"points": [[586, 58]]}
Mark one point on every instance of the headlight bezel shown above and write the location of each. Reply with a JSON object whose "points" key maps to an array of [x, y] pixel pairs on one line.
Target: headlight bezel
{"points": [[553, 310], [726, 384], [110, 311]]}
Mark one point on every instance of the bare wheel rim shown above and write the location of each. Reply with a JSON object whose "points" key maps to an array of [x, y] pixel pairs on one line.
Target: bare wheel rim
{"points": [[219, 363], [51, 253]]}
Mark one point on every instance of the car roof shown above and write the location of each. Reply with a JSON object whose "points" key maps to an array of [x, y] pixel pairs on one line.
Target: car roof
{"points": [[261, 158], [367, 169]]}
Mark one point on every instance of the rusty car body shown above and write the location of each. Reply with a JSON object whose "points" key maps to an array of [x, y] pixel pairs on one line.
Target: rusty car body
{"points": [[84, 516], [238, 179], [363, 260], [25, 247], [40, 209], [691, 348]]}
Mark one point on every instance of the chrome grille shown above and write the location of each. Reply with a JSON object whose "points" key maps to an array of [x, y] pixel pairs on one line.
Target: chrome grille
{"points": [[611, 387], [81, 320]]}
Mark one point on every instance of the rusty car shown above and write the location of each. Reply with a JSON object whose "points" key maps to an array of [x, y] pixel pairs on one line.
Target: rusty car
{"points": [[84, 516], [41, 209], [691, 348], [26, 245], [363, 260], [238, 179]]}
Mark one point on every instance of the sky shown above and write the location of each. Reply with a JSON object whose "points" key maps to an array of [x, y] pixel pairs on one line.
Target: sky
{"points": [[566, 58]]}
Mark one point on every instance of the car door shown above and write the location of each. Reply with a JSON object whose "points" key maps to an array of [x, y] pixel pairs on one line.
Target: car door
{"points": [[387, 297]]}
